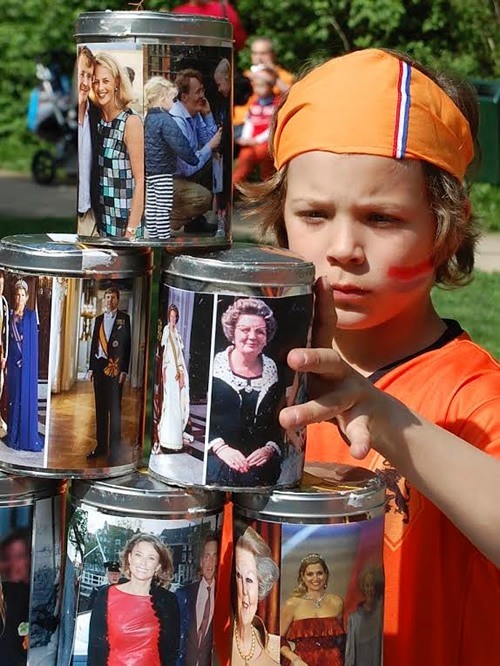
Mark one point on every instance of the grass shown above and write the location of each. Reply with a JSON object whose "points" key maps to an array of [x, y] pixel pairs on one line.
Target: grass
{"points": [[476, 308]]}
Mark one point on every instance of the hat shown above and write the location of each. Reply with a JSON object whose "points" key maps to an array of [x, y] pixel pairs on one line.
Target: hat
{"points": [[371, 102], [112, 566]]}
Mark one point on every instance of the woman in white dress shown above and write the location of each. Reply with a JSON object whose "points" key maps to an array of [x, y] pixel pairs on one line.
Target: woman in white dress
{"points": [[175, 406]]}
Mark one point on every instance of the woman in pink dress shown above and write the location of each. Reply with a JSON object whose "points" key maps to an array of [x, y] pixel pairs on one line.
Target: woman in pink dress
{"points": [[312, 619], [137, 622]]}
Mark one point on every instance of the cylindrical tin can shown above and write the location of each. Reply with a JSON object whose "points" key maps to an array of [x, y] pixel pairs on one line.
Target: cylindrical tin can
{"points": [[74, 342], [227, 321], [31, 535], [155, 141], [308, 576], [159, 546]]}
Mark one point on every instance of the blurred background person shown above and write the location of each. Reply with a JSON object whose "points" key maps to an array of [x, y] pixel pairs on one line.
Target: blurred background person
{"points": [[219, 9], [253, 142], [256, 573], [312, 619], [262, 53]]}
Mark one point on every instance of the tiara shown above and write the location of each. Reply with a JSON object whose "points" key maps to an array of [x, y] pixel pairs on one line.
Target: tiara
{"points": [[21, 284], [312, 556]]}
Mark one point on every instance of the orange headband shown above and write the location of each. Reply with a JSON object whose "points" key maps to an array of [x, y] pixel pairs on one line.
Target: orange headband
{"points": [[373, 103]]}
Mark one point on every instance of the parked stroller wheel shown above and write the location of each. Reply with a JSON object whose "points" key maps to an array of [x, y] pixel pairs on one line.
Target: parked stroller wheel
{"points": [[43, 167]]}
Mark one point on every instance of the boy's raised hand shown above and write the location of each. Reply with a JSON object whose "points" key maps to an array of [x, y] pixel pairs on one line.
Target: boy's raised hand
{"points": [[339, 393]]}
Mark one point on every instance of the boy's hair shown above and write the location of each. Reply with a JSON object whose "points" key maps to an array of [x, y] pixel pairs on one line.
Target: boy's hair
{"points": [[457, 232]]}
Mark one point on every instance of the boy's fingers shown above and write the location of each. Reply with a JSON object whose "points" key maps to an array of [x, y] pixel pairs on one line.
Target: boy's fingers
{"points": [[320, 361], [325, 317]]}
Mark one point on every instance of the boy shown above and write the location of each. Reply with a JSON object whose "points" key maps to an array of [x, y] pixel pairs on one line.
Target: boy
{"points": [[371, 152]]}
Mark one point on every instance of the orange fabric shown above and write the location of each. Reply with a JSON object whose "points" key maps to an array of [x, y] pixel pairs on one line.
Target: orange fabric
{"points": [[250, 157], [442, 596], [222, 609], [370, 102]]}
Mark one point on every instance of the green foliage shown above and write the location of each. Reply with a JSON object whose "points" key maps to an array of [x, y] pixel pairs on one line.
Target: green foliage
{"points": [[454, 34], [486, 204], [457, 35], [472, 307]]}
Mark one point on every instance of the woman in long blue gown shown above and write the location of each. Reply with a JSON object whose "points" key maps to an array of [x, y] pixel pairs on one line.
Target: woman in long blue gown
{"points": [[22, 375]]}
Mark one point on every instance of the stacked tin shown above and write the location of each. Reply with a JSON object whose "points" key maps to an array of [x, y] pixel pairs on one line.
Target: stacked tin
{"points": [[133, 577]]}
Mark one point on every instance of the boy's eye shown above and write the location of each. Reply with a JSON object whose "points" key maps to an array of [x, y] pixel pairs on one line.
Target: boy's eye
{"points": [[313, 216], [382, 218]]}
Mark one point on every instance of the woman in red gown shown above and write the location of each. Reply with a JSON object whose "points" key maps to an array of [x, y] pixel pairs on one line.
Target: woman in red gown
{"points": [[137, 622], [312, 619]]}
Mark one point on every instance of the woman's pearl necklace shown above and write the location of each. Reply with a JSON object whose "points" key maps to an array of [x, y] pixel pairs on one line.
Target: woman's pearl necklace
{"points": [[245, 657]]}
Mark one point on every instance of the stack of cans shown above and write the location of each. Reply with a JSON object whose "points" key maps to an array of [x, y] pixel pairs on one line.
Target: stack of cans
{"points": [[143, 367]]}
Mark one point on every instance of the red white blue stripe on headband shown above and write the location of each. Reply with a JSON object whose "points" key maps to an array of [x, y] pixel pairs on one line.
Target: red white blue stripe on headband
{"points": [[402, 111]]}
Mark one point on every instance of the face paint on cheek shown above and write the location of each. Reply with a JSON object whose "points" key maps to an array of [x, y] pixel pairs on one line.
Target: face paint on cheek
{"points": [[411, 274]]}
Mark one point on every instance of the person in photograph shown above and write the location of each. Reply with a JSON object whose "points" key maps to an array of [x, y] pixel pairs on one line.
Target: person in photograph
{"points": [[15, 556], [88, 117], [113, 577], [196, 606], [312, 619], [4, 346], [365, 624], [14, 623], [22, 374], [137, 622], [164, 142], [222, 158], [175, 405], [245, 438], [109, 363], [256, 573], [193, 184], [121, 152]]}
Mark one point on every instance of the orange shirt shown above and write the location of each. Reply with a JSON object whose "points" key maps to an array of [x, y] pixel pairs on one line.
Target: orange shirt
{"points": [[442, 596]]}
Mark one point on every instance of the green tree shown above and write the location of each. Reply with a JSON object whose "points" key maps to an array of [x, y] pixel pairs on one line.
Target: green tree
{"points": [[458, 35]]}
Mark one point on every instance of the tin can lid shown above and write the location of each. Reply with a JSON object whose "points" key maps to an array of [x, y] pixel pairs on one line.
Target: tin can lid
{"points": [[146, 24], [327, 490], [242, 264], [138, 493], [18, 490], [65, 254]]}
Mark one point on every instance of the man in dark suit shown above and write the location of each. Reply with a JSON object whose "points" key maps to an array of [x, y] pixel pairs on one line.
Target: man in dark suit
{"points": [[196, 606], [109, 361]]}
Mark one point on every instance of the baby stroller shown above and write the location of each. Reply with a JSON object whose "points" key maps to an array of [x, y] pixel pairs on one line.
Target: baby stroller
{"points": [[52, 116]]}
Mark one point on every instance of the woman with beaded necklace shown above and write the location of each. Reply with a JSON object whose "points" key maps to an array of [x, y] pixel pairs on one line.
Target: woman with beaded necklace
{"points": [[256, 573], [312, 619]]}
